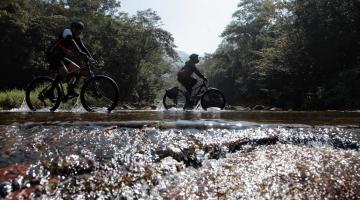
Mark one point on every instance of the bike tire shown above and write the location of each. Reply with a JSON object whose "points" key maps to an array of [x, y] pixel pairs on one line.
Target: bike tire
{"points": [[171, 103], [213, 98], [99, 93], [35, 97]]}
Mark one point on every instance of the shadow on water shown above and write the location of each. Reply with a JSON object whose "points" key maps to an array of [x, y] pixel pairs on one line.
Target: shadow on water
{"points": [[185, 155], [335, 118]]}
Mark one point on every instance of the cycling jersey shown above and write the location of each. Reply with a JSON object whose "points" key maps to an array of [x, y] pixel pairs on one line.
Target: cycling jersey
{"points": [[63, 46], [188, 70], [185, 75]]}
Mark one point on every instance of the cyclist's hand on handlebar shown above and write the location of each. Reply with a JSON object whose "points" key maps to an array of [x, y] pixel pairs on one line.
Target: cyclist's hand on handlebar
{"points": [[91, 59]]}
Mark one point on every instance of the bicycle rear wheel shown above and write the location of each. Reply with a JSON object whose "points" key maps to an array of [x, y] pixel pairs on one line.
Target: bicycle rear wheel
{"points": [[35, 96], [213, 98], [99, 93], [175, 101]]}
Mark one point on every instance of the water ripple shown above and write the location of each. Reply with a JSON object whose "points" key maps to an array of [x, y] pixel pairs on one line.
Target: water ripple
{"points": [[252, 162]]}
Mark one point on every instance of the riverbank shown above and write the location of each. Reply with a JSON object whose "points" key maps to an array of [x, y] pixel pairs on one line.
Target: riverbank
{"points": [[10, 99]]}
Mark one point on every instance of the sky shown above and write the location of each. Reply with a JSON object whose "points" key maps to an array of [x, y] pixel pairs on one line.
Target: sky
{"points": [[196, 25]]}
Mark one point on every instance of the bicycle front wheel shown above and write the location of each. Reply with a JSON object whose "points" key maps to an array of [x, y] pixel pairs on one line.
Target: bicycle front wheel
{"points": [[36, 98], [99, 93], [174, 102], [213, 98]]}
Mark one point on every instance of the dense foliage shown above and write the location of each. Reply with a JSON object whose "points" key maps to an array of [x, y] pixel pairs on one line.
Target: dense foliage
{"points": [[131, 48], [296, 54]]}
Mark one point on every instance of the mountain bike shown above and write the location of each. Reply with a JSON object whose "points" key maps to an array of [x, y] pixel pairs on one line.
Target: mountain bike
{"points": [[98, 92], [204, 96]]}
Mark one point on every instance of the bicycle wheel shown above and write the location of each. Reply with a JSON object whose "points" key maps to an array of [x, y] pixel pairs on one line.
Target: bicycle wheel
{"points": [[35, 95], [175, 101], [99, 93], [213, 98]]}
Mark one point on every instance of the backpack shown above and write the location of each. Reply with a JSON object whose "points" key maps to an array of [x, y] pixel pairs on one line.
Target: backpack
{"points": [[172, 93], [50, 51]]}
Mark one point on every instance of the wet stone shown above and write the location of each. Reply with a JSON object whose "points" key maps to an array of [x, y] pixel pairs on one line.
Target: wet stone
{"points": [[5, 189], [110, 162], [71, 164]]}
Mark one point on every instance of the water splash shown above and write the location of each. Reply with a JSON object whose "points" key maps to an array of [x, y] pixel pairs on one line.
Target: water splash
{"points": [[78, 106], [23, 107], [160, 106]]}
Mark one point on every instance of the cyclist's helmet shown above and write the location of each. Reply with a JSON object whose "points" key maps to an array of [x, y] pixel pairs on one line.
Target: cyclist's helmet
{"points": [[194, 57], [77, 24]]}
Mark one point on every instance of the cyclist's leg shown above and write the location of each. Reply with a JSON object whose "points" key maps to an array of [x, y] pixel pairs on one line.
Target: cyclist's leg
{"points": [[188, 83], [73, 75], [191, 83], [72, 67], [61, 72]]}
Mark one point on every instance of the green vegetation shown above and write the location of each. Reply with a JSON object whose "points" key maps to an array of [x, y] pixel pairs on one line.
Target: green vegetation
{"points": [[131, 48], [11, 98], [298, 54], [295, 54]]}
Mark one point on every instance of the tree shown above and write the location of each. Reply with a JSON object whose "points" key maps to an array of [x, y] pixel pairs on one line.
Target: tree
{"points": [[310, 45], [132, 49]]}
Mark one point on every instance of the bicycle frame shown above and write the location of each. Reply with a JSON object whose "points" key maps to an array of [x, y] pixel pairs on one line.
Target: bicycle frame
{"points": [[199, 89], [90, 92], [195, 98], [87, 67], [90, 75]]}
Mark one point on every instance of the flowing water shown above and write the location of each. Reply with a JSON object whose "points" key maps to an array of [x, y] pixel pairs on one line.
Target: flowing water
{"points": [[180, 155]]}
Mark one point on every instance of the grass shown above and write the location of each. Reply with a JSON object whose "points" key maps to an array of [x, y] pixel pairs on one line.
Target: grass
{"points": [[11, 98]]}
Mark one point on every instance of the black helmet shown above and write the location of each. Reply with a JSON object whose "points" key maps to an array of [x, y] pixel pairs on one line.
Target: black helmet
{"points": [[77, 24], [194, 57]]}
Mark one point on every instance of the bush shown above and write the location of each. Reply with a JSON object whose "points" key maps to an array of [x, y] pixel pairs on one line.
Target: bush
{"points": [[11, 98]]}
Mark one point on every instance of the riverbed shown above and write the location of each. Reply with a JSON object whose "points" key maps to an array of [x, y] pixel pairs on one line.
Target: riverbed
{"points": [[180, 154]]}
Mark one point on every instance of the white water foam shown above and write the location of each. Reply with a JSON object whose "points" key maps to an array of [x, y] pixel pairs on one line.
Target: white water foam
{"points": [[160, 106], [23, 107], [78, 106]]}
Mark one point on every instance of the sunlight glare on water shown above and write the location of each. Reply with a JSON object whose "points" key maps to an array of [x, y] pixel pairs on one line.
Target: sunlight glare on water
{"points": [[23, 107], [188, 163]]}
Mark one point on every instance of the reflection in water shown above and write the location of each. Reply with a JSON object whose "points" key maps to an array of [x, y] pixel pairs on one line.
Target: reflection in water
{"points": [[178, 161], [268, 117]]}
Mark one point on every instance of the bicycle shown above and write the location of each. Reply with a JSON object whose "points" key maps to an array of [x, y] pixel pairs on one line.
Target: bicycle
{"points": [[204, 96], [97, 93]]}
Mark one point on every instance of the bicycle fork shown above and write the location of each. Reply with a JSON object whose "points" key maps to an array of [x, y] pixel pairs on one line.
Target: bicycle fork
{"points": [[96, 89]]}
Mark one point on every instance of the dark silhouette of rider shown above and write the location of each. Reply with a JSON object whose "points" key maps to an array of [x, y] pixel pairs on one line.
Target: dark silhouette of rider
{"points": [[186, 79], [56, 55]]}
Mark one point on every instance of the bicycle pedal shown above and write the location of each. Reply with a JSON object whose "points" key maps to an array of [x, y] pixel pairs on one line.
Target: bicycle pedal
{"points": [[48, 95], [72, 94]]}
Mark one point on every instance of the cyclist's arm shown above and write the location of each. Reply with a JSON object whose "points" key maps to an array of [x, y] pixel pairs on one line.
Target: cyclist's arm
{"points": [[68, 37], [198, 73], [81, 47], [75, 44]]}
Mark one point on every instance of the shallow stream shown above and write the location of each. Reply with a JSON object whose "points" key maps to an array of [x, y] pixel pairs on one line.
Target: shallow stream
{"points": [[183, 155]]}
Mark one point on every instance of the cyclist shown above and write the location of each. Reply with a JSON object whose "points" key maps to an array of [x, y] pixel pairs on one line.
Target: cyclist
{"points": [[56, 55], [185, 77]]}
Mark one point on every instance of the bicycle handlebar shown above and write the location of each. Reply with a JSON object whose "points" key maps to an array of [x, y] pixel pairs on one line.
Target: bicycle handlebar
{"points": [[204, 82]]}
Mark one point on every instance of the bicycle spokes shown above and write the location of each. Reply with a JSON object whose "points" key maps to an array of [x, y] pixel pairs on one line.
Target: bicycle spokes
{"points": [[37, 97], [99, 94], [213, 98], [174, 101]]}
